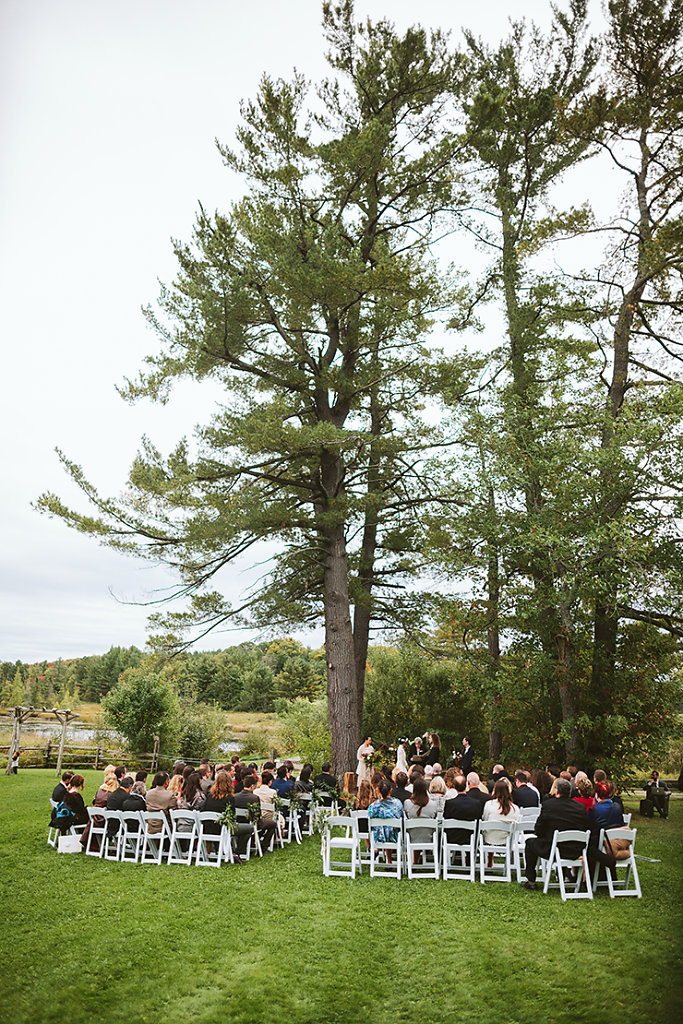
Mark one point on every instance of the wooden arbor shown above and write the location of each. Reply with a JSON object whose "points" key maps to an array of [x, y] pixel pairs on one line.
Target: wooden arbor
{"points": [[19, 715]]}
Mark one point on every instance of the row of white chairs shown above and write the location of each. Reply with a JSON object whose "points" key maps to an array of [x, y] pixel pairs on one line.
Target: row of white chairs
{"points": [[358, 841]]}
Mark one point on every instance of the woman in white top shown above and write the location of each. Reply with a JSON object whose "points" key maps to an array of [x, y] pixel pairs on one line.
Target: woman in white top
{"points": [[365, 752], [437, 793], [499, 808], [401, 759]]}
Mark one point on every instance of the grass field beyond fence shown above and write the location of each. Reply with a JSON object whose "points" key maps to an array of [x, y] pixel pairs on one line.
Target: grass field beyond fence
{"points": [[273, 942]]}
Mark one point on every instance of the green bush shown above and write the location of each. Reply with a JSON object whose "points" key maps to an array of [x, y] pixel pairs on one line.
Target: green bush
{"points": [[304, 729], [202, 729], [142, 703], [257, 743]]}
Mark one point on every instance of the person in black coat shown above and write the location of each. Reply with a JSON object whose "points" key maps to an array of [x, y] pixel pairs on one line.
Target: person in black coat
{"points": [[399, 791], [559, 815], [62, 788], [123, 800], [467, 756], [524, 795], [462, 807]]}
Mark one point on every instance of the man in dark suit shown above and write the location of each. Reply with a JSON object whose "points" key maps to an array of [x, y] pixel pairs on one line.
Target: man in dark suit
{"points": [[522, 794], [399, 791], [558, 815], [467, 756], [266, 829], [474, 790], [463, 807], [62, 788], [123, 800]]}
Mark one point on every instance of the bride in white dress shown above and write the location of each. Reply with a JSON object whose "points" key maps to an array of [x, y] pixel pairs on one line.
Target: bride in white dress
{"points": [[401, 759], [365, 751]]}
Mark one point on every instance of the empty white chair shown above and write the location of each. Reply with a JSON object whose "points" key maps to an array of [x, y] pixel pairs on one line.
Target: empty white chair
{"points": [[465, 851], [306, 812], [131, 836], [362, 838], [94, 846], [339, 834], [529, 814], [156, 837], [627, 820], [111, 836], [183, 835], [495, 852], [521, 832], [422, 853], [386, 855], [213, 848], [558, 863], [626, 859]]}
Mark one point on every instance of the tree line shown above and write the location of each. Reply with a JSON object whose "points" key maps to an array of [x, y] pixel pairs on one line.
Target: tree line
{"points": [[485, 458]]}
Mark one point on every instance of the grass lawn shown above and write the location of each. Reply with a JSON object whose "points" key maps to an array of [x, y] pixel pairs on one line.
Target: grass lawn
{"points": [[273, 942]]}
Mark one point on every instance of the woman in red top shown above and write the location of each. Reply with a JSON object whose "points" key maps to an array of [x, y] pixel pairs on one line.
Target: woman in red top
{"points": [[585, 788]]}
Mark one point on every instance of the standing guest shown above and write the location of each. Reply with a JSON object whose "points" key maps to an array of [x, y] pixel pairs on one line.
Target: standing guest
{"points": [[399, 791], [434, 753], [15, 760], [500, 807], [62, 788], [466, 757], [160, 798], [415, 754], [401, 759], [139, 786], [523, 794], [365, 752]]}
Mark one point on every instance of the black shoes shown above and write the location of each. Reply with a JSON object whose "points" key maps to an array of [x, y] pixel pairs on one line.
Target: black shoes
{"points": [[529, 886]]}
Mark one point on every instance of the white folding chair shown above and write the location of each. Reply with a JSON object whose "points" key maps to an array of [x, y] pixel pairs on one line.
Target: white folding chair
{"points": [[130, 837], [619, 886], [111, 836], [529, 814], [386, 855], [242, 817], [362, 838], [156, 837], [421, 853], [306, 812], [183, 835], [521, 832], [213, 848], [52, 832], [497, 872], [339, 833], [627, 820], [98, 828], [467, 852], [558, 863]]}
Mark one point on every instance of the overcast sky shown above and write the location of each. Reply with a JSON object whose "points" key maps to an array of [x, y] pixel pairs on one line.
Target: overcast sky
{"points": [[108, 115]]}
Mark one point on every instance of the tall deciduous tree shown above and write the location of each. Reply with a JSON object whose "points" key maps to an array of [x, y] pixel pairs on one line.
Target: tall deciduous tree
{"points": [[309, 302]]}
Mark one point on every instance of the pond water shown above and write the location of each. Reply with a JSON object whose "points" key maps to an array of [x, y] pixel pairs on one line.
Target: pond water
{"points": [[80, 732]]}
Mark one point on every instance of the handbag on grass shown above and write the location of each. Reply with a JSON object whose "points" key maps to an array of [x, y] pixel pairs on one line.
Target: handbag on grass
{"points": [[69, 844]]}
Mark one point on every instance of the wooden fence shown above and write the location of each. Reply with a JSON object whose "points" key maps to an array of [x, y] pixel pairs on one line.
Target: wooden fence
{"points": [[77, 756]]}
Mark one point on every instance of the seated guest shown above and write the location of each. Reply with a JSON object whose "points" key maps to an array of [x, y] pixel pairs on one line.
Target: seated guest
{"points": [[500, 807], [266, 794], [414, 771], [110, 785], [437, 792], [497, 774], [656, 791], [192, 798], [160, 798], [386, 807], [303, 784], [282, 785], [605, 813], [62, 788], [419, 805], [375, 779], [243, 801], [117, 801], [448, 778], [542, 782], [584, 792], [326, 781], [463, 807], [73, 799], [139, 786], [206, 775], [558, 814], [476, 789], [176, 782], [523, 794], [399, 791], [217, 799]]}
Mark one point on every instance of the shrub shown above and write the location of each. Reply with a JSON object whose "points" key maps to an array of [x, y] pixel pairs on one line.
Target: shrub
{"points": [[304, 729], [257, 743], [142, 703]]}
